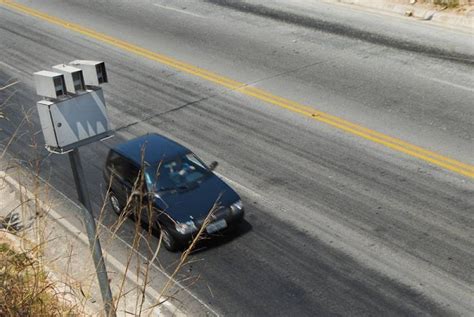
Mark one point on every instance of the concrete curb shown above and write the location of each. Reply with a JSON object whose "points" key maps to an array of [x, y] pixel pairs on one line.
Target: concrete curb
{"points": [[76, 233]]}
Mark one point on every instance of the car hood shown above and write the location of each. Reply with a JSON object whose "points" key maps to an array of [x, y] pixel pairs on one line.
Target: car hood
{"points": [[196, 202]]}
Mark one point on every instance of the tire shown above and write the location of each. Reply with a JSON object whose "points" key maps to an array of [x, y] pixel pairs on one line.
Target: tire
{"points": [[115, 204], [170, 243]]}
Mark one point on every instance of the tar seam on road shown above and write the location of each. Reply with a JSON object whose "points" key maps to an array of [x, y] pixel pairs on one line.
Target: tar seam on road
{"points": [[343, 30], [352, 128]]}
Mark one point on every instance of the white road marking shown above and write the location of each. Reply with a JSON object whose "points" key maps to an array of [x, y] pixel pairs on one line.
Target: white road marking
{"points": [[470, 89], [180, 11]]}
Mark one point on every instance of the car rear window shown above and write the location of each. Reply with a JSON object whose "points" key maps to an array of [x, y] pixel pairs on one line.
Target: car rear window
{"points": [[122, 167]]}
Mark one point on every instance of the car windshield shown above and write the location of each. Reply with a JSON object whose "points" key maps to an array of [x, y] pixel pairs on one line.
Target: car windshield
{"points": [[178, 173]]}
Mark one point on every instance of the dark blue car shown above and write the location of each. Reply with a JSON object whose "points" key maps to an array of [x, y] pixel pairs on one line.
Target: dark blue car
{"points": [[181, 189]]}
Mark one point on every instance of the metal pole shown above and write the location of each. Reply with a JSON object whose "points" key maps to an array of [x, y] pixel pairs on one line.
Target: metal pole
{"points": [[94, 243]]}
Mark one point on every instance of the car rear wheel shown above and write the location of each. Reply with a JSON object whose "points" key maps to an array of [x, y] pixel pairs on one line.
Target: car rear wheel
{"points": [[115, 204], [170, 243]]}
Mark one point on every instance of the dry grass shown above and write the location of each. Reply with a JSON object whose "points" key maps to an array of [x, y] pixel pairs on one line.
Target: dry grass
{"points": [[442, 3], [42, 293], [447, 3], [26, 288], [134, 209]]}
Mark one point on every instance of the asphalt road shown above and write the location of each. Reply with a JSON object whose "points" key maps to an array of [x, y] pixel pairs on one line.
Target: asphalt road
{"points": [[336, 224]]}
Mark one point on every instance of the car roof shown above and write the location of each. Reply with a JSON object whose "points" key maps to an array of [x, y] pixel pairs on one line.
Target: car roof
{"points": [[157, 148]]}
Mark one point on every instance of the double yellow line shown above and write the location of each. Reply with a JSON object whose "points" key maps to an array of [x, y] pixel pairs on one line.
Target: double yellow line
{"points": [[368, 134]]}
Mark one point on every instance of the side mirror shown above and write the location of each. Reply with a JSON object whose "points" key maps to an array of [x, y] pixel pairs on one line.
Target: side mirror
{"points": [[213, 165]]}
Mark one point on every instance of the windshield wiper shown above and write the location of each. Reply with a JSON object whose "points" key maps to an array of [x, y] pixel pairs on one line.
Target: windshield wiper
{"points": [[163, 189], [180, 187]]}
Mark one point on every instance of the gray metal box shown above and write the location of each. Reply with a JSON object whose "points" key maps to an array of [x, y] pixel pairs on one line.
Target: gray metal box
{"points": [[74, 121], [72, 76], [94, 71], [50, 84]]}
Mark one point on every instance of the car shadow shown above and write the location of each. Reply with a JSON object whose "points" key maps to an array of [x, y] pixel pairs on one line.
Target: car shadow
{"points": [[214, 240], [217, 240]]}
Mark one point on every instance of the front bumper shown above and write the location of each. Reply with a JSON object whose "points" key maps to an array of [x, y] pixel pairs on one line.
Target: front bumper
{"points": [[232, 220]]}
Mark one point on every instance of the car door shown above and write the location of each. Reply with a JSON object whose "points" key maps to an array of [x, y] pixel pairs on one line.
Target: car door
{"points": [[123, 174], [129, 173], [114, 176]]}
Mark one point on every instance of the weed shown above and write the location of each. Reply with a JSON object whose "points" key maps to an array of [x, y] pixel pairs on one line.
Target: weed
{"points": [[447, 3], [26, 286], [25, 289]]}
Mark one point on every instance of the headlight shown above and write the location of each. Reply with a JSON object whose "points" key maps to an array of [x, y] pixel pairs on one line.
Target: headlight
{"points": [[237, 206], [185, 228]]}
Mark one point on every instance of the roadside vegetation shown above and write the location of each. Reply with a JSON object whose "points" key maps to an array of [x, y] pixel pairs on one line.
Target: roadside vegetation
{"points": [[25, 288], [33, 284], [448, 3], [443, 3], [135, 210], [26, 284]]}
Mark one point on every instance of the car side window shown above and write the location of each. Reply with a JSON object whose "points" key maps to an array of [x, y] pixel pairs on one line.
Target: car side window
{"points": [[122, 168], [115, 164], [130, 173]]}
